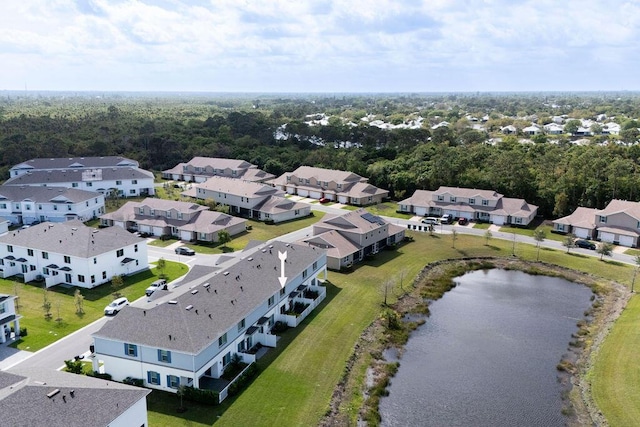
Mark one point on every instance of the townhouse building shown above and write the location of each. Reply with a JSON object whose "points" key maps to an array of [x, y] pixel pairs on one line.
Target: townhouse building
{"points": [[71, 253], [350, 237], [199, 169], [470, 203], [113, 175], [190, 334], [339, 186], [253, 200], [29, 204], [9, 318], [184, 220]]}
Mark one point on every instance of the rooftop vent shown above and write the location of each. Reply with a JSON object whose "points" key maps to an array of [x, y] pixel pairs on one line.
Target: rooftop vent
{"points": [[226, 273], [53, 393], [206, 285], [189, 307], [173, 302], [250, 259], [193, 292]]}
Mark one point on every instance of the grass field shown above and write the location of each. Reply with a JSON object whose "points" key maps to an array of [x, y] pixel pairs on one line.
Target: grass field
{"points": [[299, 376], [615, 376], [42, 332], [529, 232]]}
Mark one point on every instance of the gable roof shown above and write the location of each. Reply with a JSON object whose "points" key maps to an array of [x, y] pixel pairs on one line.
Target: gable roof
{"points": [[71, 238], [359, 221], [219, 163], [200, 316], [238, 187], [621, 206], [276, 204], [321, 174], [76, 175], [45, 194], [468, 193], [581, 217], [76, 162], [24, 399], [336, 244]]}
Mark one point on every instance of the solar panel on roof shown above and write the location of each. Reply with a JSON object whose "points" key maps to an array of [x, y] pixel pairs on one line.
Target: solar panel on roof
{"points": [[373, 218]]}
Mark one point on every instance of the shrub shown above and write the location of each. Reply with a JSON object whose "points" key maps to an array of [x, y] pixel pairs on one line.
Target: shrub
{"points": [[243, 380], [133, 381], [207, 397], [23, 332], [101, 376]]}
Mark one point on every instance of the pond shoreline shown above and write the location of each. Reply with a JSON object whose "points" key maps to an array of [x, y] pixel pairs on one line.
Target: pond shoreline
{"points": [[367, 373]]}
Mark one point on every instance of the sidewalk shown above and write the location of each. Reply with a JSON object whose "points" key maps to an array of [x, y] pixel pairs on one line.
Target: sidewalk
{"points": [[10, 356]]}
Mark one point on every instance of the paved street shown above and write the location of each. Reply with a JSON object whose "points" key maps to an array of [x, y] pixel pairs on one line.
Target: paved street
{"points": [[78, 343]]}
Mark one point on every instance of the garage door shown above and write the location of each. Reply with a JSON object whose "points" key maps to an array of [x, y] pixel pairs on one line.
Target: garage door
{"points": [[343, 199], [497, 219], [421, 211], [303, 193], [607, 237], [582, 233], [315, 194], [626, 241]]}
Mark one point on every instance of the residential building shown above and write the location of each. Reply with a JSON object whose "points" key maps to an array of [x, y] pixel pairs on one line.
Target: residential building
{"points": [[9, 319], [4, 225], [71, 253], [532, 130], [318, 183], [351, 236], [470, 203], [184, 220], [46, 397], [189, 335], [27, 204], [253, 200], [199, 169], [102, 174], [617, 223]]}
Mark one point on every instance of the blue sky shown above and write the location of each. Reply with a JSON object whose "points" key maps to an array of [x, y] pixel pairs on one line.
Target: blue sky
{"points": [[320, 46]]}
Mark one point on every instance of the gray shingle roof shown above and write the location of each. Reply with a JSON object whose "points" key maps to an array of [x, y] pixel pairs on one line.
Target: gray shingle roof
{"points": [[75, 175], [337, 246], [616, 206], [276, 204], [77, 162], [95, 402], [250, 281], [581, 217], [45, 194], [71, 238], [239, 187]]}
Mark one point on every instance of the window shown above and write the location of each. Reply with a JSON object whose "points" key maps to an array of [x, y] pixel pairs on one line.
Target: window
{"points": [[45, 255], [134, 181], [32, 268], [118, 182], [472, 201], [67, 278], [25, 268], [222, 340], [74, 185], [89, 184], [485, 203], [55, 207], [45, 271], [95, 260], [39, 207], [315, 265], [241, 325], [603, 219], [80, 278], [452, 199], [67, 259], [173, 381], [104, 275], [135, 248], [282, 291], [441, 198], [153, 377], [93, 278], [272, 299], [120, 252], [68, 207], [132, 191], [168, 214], [3, 308], [152, 212], [226, 359], [10, 248], [164, 356], [304, 274], [27, 207], [3, 206], [130, 350], [17, 206], [179, 215]]}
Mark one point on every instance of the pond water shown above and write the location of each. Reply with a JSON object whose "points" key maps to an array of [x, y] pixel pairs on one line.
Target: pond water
{"points": [[487, 355]]}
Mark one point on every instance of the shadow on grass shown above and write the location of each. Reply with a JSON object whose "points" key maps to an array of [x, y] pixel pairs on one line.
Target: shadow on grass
{"points": [[577, 255], [616, 263], [168, 403], [493, 248]]}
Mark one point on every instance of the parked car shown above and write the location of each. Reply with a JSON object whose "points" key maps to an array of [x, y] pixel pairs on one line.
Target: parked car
{"points": [[584, 244], [324, 200], [463, 221], [446, 219], [430, 220], [158, 284], [115, 306], [183, 250]]}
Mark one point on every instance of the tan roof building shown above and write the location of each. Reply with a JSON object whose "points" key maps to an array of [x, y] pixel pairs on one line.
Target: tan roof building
{"points": [[199, 169]]}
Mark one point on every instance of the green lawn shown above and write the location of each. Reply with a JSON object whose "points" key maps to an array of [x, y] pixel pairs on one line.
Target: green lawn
{"points": [[389, 209], [482, 225], [299, 377], [632, 252], [529, 232], [42, 332], [615, 375]]}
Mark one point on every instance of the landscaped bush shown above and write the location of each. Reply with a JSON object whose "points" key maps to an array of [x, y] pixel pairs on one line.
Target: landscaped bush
{"points": [[23, 332], [207, 397], [243, 380], [101, 376], [311, 294], [133, 381], [279, 327]]}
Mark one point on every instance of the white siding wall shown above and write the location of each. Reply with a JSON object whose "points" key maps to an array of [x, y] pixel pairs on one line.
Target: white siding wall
{"points": [[136, 416]]}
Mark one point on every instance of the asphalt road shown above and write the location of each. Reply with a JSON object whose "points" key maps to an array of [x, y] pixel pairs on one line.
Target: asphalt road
{"points": [[78, 343]]}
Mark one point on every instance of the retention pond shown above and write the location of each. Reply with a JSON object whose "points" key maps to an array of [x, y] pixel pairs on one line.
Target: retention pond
{"points": [[487, 355]]}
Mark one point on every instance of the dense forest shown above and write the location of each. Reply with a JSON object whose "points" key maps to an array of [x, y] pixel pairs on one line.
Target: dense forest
{"points": [[278, 133]]}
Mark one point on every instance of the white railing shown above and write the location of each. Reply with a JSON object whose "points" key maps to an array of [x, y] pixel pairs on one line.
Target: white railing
{"points": [[225, 391]]}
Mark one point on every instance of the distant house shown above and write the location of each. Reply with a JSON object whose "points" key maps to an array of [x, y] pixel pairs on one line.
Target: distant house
{"points": [[186, 221], [532, 130], [509, 130], [554, 129], [349, 237], [470, 203], [617, 223], [188, 336], [340, 186], [71, 253], [27, 204], [102, 174], [9, 319], [46, 397], [253, 200], [199, 169]]}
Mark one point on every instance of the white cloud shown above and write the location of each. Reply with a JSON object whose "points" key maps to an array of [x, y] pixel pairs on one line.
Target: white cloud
{"points": [[401, 45]]}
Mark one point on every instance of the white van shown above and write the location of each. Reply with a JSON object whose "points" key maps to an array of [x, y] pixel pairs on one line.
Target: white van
{"points": [[430, 220]]}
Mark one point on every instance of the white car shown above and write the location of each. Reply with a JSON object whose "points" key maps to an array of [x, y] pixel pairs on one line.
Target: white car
{"points": [[115, 306], [158, 284]]}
